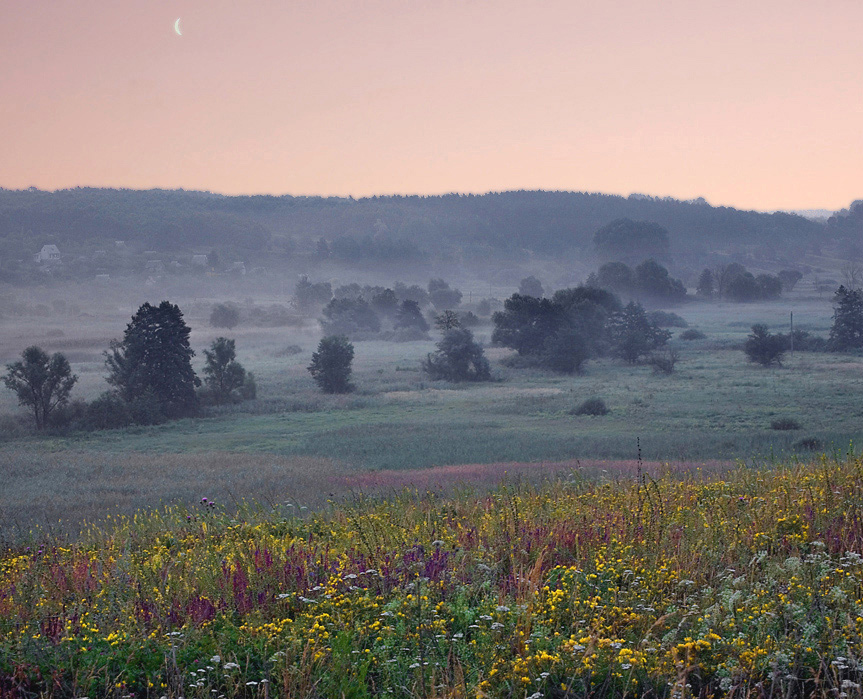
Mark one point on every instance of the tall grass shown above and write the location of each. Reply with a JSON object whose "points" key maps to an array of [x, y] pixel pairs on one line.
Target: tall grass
{"points": [[749, 583]]}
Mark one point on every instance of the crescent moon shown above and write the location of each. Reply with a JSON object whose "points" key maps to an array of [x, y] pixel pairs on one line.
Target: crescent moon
{"points": [[177, 27]]}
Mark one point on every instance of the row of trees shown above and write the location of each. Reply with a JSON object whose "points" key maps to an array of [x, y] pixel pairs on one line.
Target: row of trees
{"points": [[310, 296], [150, 371], [563, 332], [648, 280], [734, 282]]}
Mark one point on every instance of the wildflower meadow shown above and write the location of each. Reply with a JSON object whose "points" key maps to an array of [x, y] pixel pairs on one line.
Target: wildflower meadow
{"points": [[745, 583]]}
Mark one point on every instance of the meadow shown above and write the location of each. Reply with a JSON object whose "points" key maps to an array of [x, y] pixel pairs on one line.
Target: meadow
{"points": [[642, 583], [294, 442]]}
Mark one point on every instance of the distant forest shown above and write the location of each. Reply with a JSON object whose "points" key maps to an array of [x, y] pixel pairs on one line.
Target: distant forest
{"points": [[381, 230]]}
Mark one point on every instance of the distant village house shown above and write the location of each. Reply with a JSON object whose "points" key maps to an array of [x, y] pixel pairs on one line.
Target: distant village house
{"points": [[48, 254]]}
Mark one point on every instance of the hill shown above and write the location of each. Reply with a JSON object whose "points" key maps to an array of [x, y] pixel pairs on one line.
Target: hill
{"points": [[544, 223]]}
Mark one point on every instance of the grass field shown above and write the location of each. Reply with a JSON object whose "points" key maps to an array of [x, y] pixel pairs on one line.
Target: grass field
{"points": [[743, 583], [294, 442]]}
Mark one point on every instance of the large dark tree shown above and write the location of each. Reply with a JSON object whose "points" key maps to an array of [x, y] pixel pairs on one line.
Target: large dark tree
{"points": [[42, 383], [331, 364], [847, 331], [526, 322], [154, 358]]}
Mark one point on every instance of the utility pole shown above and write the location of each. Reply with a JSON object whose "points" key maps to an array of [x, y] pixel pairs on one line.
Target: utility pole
{"points": [[792, 333]]}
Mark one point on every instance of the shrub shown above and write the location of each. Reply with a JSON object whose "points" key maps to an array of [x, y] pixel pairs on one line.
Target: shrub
{"points": [[289, 351], [763, 348], [565, 351], [784, 424], [458, 358], [107, 412], [249, 389], [666, 319], [809, 444], [692, 334], [592, 406], [663, 362], [225, 315]]}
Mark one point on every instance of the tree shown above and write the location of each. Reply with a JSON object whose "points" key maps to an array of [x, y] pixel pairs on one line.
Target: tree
{"points": [[633, 335], [526, 322], [565, 351], [852, 274], [616, 276], [351, 317], [410, 317], [223, 375], [331, 364], [847, 331], [789, 278], [442, 296], [385, 302], [309, 296], [705, 286], [743, 287], [653, 280], [155, 357], [628, 240], [770, 287], [448, 320], [764, 348], [42, 383], [225, 315], [531, 286], [458, 358]]}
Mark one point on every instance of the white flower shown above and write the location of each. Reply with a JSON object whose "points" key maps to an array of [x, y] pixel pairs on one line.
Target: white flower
{"points": [[501, 608], [230, 666]]}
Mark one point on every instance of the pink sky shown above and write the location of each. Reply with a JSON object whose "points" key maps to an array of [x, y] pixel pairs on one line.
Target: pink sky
{"points": [[755, 104]]}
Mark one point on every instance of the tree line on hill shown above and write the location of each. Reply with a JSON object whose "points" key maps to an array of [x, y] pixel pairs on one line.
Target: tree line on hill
{"points": [[380, 231]]}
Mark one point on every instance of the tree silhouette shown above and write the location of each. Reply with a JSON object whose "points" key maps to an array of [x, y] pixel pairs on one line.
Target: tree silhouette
{"points": [[154, 358], [42, 383]]}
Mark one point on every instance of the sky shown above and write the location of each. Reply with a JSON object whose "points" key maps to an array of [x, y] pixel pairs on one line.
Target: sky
{"points": [[755, 104]]}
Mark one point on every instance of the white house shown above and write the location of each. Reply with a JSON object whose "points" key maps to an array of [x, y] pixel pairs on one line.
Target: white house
{"points": [[48, 253]]}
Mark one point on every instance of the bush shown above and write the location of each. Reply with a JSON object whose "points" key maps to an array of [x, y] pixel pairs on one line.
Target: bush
{"points": [[692, 334], [592, 406], [249, 389], [146, 409], [763, 348], [565, 351], [784, 424], [225, 315], [809, 444], [107, 412], [663, 363], [331, 364], [666, 319], [458, 358], [289, 351]]}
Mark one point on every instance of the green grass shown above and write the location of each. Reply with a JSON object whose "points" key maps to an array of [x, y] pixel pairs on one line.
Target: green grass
{"points": [[715, 406]]}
